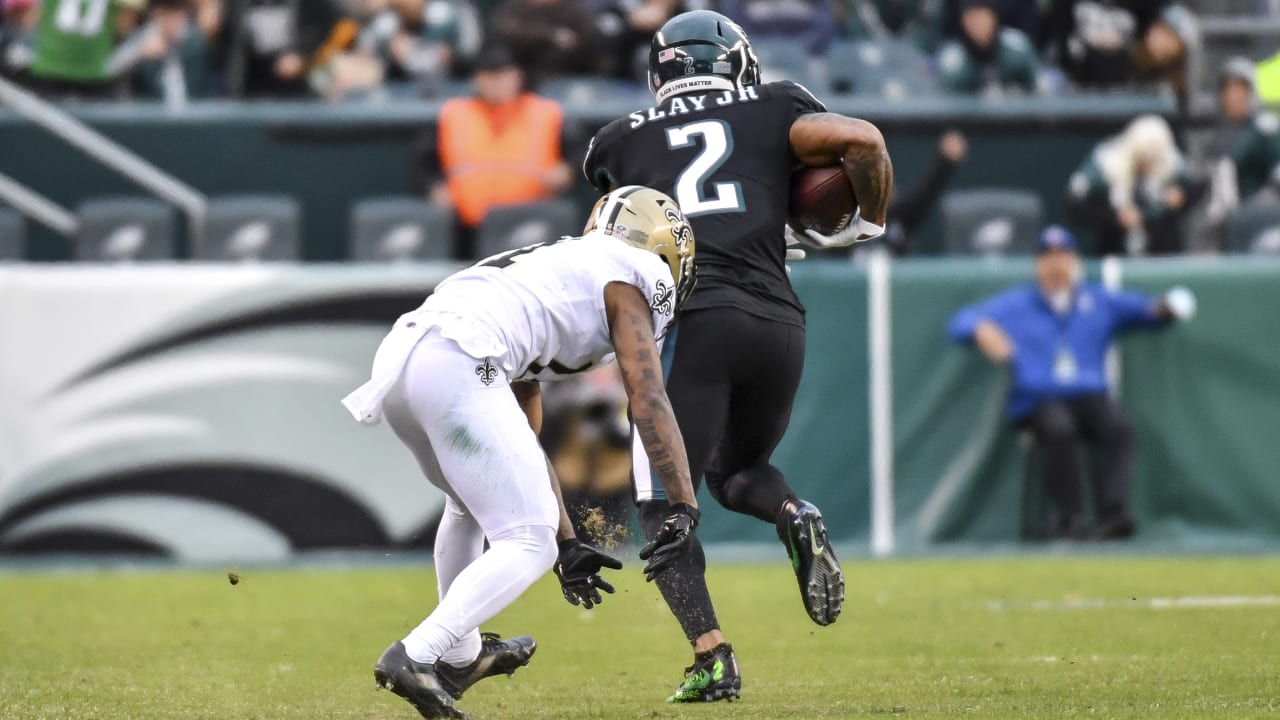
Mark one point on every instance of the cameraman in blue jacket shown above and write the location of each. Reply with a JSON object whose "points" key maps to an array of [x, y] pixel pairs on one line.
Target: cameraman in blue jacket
{"points": [[1053, 335]]}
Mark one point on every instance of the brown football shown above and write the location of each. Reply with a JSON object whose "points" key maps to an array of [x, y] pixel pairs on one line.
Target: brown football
{"points": [[822, 199]]}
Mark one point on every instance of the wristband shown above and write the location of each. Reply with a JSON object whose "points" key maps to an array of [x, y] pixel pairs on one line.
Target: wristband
{"points": [[689, 510]]}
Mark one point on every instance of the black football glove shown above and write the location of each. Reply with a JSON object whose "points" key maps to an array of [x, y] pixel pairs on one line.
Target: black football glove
{"points": [[578, 568], [672, 542]]}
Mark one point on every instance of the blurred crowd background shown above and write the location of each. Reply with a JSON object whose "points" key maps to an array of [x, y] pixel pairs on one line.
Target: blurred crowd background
{"points": [[513, 63], [177, 49]]}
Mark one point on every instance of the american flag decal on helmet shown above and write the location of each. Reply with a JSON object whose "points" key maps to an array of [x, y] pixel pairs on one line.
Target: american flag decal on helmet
{"points": [[666, 55]]}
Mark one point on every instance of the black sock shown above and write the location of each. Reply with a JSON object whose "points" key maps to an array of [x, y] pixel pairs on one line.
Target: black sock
{"points": [[684, 584]]}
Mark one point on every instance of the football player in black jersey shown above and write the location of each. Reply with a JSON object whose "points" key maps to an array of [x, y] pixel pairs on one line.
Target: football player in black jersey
{"points": [[725, 146]]}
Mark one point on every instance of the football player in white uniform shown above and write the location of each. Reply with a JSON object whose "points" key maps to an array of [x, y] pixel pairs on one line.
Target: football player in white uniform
{"points": [[457, 380]]}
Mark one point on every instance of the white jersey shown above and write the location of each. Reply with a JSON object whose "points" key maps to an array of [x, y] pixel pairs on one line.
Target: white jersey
{"points": [[536, 313]]}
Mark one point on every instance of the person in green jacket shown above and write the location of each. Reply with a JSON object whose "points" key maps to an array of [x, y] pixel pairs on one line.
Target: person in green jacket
{"points": [[1245, 145], [986, 58], [74, 44]]}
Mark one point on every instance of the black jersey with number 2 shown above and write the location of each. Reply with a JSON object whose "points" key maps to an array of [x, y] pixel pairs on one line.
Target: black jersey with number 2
{"points": [[726, 158]]}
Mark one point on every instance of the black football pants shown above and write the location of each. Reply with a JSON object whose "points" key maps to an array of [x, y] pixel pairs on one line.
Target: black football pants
{"points": [[1060, 428], [731, 378]]}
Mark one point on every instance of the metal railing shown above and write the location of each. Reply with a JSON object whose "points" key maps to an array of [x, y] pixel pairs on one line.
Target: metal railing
{"points": [[193, 203]]}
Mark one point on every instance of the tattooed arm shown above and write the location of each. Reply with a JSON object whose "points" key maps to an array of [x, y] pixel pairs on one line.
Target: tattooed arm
{"points": [[631, 327], [824, 139]]}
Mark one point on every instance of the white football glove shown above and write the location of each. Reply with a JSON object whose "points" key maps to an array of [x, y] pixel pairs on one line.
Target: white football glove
{"points": [[1181, 302], [857, 231]]}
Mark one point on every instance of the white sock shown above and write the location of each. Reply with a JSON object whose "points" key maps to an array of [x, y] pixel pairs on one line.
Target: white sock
{"points": [[463, 652], [517, 557]]}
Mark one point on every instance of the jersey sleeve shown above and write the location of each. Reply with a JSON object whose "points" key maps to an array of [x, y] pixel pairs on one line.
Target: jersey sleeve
{"points": [[640, 269], [598, 161], [799, 100]]}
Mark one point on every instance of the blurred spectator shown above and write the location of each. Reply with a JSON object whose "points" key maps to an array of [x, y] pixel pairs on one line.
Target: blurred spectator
{"points": [[909, 207], [409, 40], [805, 22], [549, 37], [1165, 53], [18, 20], [1246, 143], [1093, 40], [1053, 336], [1022, 15], [987, 59], [917, 20], [75, 47], [626, 27], [501, 146], [1133, 189], [171, 54], [274, 44]]}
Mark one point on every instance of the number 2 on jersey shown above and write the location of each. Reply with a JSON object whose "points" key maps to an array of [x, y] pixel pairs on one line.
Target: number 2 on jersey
{"points": [[717, 145]]}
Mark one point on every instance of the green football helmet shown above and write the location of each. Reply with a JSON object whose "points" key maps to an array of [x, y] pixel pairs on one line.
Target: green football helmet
{"points": [[699, 51]]}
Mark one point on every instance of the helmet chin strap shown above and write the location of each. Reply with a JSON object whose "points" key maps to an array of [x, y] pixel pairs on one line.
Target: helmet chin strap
{"points": [[693, 83]]}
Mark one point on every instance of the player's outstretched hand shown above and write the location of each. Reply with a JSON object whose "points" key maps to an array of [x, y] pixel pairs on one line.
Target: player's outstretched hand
{"points": [[672, 541], [578, 569]]}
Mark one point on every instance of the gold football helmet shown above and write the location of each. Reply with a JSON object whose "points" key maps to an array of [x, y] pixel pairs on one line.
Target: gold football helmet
{"points": [[645, 218]]}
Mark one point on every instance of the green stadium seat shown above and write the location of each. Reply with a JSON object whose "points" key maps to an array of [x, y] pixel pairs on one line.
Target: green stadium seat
{"points": [[399, 229], [513, 226], [991, 221], [120, 229], [252, 227], [1254, 229], [13, 235]]}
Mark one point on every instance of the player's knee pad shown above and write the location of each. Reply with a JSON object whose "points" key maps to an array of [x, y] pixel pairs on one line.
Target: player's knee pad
{"points": [[535, 543]]}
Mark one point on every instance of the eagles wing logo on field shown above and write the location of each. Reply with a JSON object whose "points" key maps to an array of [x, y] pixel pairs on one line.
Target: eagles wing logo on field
{"points": [[662, 295], [487, 372]]}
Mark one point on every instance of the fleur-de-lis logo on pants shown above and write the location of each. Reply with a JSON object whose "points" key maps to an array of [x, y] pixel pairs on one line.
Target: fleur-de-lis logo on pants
{"points": [[487, 372]]}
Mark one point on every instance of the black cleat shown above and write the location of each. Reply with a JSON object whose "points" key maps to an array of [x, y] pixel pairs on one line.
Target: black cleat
{"points": [[817, 569], [416, 682], [713, 676], [496, 656]]}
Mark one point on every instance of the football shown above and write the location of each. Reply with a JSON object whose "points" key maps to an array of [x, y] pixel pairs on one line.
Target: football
{"points": [[822, 199]]}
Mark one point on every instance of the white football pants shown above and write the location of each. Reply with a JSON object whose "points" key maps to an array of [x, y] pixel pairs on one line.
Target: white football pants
{"points": [[459, 418]]}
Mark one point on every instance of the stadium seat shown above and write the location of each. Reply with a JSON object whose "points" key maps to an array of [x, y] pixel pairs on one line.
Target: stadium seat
{"points": [[13, 235], [513, 226], [894, 69], [399, 229], [782, 59], [1254, 229], [251, 227], [992, 221], [114, 229]]}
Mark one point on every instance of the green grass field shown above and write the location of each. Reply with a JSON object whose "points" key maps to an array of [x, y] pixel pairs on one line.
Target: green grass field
{"points": [[1032, 637]]}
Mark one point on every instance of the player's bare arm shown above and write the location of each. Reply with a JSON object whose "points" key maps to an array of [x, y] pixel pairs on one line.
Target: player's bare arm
{"points": [[823, 139], [631, 327]]}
